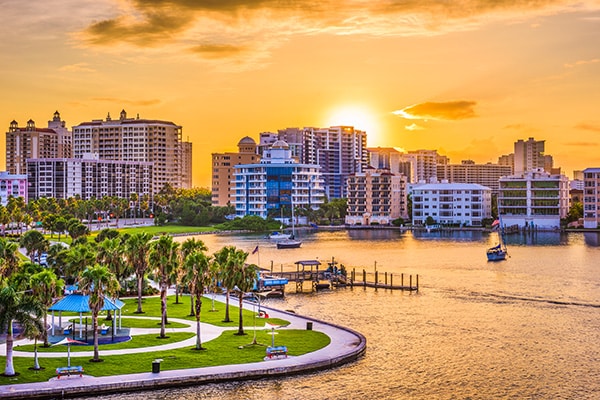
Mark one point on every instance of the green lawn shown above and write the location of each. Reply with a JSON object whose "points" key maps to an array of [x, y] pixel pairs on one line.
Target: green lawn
{"points": [[229, 348], [136, 342], [221, 351], [151, 307]]}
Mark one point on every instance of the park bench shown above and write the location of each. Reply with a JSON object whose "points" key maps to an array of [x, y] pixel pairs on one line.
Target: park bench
{"points": [[276, 351], [68, 371]]}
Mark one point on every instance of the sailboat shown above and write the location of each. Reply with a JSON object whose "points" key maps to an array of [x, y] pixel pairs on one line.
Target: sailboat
{"points": [[291, 242], [498, 252]]}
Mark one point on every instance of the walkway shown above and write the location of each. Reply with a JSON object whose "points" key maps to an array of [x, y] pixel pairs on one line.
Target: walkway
{"points": [[345, 346]]}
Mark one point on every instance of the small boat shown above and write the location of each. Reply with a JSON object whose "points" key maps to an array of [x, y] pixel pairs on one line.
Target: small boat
{"points": [[279, 236], [498, 252], [289, 244]]}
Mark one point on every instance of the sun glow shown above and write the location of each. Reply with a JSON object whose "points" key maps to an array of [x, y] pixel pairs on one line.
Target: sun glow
{"points": [[358, 117]]}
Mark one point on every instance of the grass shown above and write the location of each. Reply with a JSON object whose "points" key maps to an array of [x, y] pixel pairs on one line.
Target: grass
{"points": [[228, 348], [151, 307], [224, 350], [136, 342]]}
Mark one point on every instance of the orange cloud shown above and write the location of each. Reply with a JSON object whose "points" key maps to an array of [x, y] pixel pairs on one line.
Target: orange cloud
{"points": [[190, 23], [448, 111]]}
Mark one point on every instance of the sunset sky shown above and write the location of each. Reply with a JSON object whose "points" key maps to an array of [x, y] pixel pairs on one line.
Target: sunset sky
{"points": [[466, 77]]}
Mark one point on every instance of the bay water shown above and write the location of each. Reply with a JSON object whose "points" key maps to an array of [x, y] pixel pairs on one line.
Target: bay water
{"points": [[524, 328]]}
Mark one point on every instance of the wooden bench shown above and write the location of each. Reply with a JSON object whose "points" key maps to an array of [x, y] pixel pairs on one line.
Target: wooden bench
{"points": [[276, 351], [68, 371]]}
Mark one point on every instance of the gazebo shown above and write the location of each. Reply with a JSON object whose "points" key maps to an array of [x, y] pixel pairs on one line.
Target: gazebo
{"points": [[79, 303]]}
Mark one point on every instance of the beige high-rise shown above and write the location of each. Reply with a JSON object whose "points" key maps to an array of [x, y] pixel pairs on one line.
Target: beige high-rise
{"points": [[142, 140], [223, 168], [30, 142]]}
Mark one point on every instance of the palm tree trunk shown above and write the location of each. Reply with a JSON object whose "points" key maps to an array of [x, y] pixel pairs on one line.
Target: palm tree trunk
{"points": [[140, 287], [163, 309], [45, 331], [9, 370], [241, 323], [191, 304], [198, 341], [95, 330], [227, 307]]}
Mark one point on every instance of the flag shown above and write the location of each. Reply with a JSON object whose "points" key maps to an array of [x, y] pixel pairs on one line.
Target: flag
{"points": [[255, 250], [496, 222]]}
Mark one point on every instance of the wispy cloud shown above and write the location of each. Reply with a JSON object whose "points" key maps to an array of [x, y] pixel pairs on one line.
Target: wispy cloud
{"points": [[78, 67], [448, 111], [587, 126], [414, 127], [116, 100], [220, 29], [582, 62], [581, 144]]}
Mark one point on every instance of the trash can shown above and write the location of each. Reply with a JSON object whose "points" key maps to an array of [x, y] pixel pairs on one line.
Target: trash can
{"points": [[309, 326], [155, 366]]}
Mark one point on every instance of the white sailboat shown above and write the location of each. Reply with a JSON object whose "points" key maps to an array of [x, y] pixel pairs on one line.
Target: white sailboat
{"points": [[291, 242]]}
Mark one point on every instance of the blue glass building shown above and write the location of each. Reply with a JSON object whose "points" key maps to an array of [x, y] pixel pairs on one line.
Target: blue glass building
{"points": [[276, 184]]}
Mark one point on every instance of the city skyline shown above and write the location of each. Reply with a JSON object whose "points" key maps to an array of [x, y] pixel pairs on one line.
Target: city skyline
{"points": [[467, 81]]}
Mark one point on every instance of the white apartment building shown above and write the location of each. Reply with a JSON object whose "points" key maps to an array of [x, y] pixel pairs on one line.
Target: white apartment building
{"points": [[466, 204], [138, 140], [533, 199], [62, 178], [278, 182], [376, 196], [12, 185], [591, 198]]}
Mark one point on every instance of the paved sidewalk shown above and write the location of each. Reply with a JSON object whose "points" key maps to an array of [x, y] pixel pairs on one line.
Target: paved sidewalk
{"points": [[345, 346]]}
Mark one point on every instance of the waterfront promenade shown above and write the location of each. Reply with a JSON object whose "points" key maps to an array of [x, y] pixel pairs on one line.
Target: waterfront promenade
{"points": [[346, 345]]}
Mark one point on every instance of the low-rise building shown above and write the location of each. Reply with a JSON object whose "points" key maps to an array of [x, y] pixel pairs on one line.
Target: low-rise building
{"points": [[466, 204], [534, 199], [591, 198], [12, 185], [376, 196]]}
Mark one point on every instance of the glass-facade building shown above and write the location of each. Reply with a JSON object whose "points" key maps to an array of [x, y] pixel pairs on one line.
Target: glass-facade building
{"points": [[278, 182]]}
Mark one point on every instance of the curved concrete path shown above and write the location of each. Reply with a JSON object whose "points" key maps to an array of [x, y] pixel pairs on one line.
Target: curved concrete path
{"points": [[345, 346]]}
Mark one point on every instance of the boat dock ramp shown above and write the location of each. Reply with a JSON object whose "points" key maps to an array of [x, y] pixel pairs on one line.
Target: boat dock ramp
{"points": [[309, 271]]}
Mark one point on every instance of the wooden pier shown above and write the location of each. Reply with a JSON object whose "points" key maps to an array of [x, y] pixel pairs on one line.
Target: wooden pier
{"points": [[384, 280], [332, 277]]}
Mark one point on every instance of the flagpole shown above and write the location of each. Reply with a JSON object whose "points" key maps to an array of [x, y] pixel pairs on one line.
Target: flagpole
{"points": [[258, 254]]}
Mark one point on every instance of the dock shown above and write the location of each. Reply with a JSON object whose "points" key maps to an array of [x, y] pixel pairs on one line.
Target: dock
{"points": [[309, 271]]}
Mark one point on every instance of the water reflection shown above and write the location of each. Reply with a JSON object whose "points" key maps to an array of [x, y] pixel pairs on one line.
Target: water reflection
{"points": [[592, 238]]}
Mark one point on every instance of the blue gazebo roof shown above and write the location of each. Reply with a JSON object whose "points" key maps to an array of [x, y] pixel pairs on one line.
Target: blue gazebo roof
{"points": [[80, 303]]}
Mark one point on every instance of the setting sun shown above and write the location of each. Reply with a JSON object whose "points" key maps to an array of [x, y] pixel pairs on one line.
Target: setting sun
{"points": [[356, 116]]}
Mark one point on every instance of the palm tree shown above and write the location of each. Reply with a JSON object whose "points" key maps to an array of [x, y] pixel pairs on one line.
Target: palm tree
{"points": [[197, 265], [35, 243], [187, 247], [17, 306], [77, 259], [9, 261], [45, 287], [163, 260], [244, 276], [224, 266], [97, 282], [136, 249]]}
